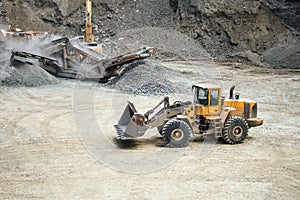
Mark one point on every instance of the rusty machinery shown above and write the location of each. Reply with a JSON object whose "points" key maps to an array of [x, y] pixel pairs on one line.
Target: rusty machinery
{"points": [[63, 59], [73, 58]]}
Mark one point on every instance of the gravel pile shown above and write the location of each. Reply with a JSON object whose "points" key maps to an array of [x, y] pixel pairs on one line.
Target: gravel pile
{"points": [[25, 75], [146, 78], [287, 56]]}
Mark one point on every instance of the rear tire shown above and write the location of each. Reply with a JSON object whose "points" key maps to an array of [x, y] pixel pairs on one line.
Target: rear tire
{"points": [[176, 133], [235, 130]]}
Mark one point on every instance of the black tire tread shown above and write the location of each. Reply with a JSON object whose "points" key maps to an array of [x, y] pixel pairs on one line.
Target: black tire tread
{"points": [[175, 123], [228, 126]]}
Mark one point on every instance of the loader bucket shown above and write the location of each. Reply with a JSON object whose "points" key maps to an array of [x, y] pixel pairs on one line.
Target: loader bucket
{"points": [[131, 123]]}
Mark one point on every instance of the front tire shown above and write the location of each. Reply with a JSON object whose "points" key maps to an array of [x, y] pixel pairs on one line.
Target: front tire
{"points": [[176, 133], [235, 130], [160, 129]]}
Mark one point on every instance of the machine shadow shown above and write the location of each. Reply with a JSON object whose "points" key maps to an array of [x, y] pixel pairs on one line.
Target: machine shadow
{"points": [[158, 141]]}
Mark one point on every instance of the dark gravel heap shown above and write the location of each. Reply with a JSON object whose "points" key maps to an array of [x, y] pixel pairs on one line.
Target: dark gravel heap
{"points": [[25, 75], [283, 56], [146, 78], [154, 89]]}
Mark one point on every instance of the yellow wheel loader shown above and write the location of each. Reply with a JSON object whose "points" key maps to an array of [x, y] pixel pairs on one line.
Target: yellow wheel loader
{"points": [[209, 113]]}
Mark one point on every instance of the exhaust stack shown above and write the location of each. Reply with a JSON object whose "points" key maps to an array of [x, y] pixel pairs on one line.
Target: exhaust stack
{"points": [[231, 92]]}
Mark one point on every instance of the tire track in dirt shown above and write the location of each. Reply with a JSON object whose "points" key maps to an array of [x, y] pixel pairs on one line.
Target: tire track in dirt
{"points": [[58, 166]]}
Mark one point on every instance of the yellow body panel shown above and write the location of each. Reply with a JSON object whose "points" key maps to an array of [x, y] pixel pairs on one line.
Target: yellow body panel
{"points": [[190, 113], [201, 110], [239, 106]]}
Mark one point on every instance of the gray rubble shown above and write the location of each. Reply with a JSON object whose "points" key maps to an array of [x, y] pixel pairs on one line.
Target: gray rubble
{"points": [[25, 75], [147, 78], [287, 56]]}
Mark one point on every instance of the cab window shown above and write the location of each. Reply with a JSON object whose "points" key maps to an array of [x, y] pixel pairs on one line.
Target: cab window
{"points": [[201, 96], [214, 97]]}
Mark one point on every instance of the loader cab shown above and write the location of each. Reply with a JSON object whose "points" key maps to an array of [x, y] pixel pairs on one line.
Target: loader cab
{"points": [[207, 99]]}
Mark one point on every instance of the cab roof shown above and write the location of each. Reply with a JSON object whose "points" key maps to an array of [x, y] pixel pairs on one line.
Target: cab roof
{"points": [[206, 86]]}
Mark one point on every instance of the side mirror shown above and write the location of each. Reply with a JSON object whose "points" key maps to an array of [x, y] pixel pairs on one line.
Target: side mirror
{"points": [[237, 96]]}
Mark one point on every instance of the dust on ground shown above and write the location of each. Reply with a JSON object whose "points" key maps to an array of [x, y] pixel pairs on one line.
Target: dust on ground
{"points": [[44, 155]]}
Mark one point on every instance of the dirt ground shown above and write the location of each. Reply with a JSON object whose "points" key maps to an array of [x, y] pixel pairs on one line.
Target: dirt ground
{"points": [[58, 142]]}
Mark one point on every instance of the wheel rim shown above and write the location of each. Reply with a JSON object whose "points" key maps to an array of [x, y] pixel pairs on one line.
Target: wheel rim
{"points": [[177, 134], [237, 131]]}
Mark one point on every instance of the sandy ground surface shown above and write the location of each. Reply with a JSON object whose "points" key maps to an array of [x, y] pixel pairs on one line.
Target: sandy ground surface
{"points": [[58, 142]]}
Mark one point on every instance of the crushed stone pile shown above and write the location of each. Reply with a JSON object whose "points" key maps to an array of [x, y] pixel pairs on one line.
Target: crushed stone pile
{"points": [[24, 75], [287, 56], [147, 78], [17, 73]]}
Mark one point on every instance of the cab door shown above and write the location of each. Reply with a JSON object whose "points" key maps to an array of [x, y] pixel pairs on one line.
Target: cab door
{"points": [[214, 102]]}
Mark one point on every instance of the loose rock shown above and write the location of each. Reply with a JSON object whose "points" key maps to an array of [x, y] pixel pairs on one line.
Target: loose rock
{"points": [[147, 78], [25, 75]]}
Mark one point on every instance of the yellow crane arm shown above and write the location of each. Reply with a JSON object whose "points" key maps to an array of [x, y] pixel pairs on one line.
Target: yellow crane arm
{"points": [[88, 22]]}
